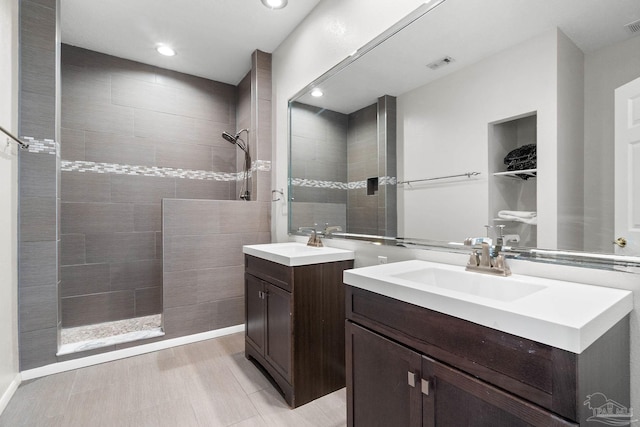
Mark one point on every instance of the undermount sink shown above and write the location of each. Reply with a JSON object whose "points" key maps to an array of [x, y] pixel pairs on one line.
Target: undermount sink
{"points": [[504, 289], [562, 314], [294, 254]]}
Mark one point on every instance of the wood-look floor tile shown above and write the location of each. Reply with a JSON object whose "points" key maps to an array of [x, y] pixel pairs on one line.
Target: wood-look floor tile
{"points": [[256, 421], [219, 399], [207, 384], [268, 402], [251, 379]]}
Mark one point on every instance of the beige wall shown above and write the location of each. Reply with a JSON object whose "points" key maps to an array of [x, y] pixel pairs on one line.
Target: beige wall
{"points": [[8, 201]]}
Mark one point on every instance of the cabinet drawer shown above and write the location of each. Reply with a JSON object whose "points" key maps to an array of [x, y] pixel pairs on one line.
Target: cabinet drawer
{"points": [[278, 274]]}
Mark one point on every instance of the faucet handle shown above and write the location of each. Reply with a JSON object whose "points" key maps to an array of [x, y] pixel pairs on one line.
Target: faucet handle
{"points": [[474, 259]]}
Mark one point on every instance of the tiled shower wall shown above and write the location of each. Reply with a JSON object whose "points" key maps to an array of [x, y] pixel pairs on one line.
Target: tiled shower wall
{"points": [[362, 151], [39, 119], [371, 149], [38, 184], [333, 157], [319, 166], [204, 263], [132, 134]]}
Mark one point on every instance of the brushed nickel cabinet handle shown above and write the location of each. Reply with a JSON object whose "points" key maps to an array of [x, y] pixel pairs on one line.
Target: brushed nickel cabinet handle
{"points": [[425, 387], [411, 379]]}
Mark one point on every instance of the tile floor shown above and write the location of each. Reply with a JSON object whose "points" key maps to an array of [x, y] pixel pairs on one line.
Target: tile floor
{"points": [[209, 383]]}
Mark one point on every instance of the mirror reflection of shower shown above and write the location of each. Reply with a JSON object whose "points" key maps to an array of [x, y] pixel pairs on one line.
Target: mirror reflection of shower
{"points": [[245, 194]]}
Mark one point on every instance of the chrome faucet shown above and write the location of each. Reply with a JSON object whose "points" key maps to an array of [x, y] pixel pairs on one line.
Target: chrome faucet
{"points": [[489, 260], [314, 239], [329, 229]]}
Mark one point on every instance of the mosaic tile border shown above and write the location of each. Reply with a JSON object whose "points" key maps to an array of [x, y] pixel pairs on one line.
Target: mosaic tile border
{"points": [[42, 146], [160, 172], [337, 185]]}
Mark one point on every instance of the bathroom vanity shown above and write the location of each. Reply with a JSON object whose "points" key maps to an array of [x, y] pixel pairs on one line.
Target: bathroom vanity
{"points": [[420, 353], [294, 317]]}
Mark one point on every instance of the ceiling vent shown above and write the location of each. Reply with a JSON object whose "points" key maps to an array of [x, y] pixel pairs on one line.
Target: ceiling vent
{"points": [[633, 27], [440, 63]]}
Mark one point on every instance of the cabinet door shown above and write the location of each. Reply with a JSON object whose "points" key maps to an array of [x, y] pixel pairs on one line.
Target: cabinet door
{"points": [[383, 381], [254, 311], [278, 329], [453, 398]]}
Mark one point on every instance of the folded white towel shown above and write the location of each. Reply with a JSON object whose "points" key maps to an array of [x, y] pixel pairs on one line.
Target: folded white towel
{"points": [[527, 217]]}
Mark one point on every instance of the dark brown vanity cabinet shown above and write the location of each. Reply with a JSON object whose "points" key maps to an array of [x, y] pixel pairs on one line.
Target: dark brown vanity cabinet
{"points": [[410, 366], [294, 329]]}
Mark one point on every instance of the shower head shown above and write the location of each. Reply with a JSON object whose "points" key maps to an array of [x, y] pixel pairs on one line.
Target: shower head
{"points": [[232, 139], [235, 139]]}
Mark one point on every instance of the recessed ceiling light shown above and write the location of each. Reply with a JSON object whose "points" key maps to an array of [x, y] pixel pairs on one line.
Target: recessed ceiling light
{"points": [[316, 92], [165, 50], [274, 4]]}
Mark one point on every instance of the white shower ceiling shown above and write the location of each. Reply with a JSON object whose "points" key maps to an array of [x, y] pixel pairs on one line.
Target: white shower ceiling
{"points": [[213, 38]]}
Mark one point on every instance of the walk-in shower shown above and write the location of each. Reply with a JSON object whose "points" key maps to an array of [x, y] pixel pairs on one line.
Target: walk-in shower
{"points": [[245, 194]]}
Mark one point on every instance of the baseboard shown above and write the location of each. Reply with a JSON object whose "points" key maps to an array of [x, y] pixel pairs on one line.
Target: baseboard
{"points": [[8, 393], [56, 368]]}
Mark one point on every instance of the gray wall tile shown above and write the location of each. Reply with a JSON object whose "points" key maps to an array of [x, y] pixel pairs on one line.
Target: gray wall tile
{"points": [[205, 189], [180, 288], [38, 263], [184, 156], [38, 348], [72, 249], [159, 245], [96, 217], [147, 217], [38, 24], [38, 219], [148, 301], [227, 313], [38, 307], [220, 283], [72, 144], [197, 217], [84, 279], [187, 320], [37, 118], [120, 247], [81, 86], [97, 308], [37, 78], [85, 187], [136, 275], [224, 158], [37, 175], [194, 252], [153, 124], [141, 189], [103, 147]]}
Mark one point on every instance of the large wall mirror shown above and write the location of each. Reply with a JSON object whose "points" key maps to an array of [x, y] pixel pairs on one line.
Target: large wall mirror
{"points": [[500, 113]]}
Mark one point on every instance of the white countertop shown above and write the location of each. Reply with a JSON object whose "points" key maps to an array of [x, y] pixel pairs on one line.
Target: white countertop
{"points": [[293, 254], [562, 314]]}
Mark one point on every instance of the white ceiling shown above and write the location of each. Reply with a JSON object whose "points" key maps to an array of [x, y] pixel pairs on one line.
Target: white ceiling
{"points": [[213, 38], [468, 31]]}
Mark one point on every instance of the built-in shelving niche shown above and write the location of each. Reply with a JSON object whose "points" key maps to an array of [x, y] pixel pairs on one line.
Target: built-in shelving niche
{"points": [[512, 190]]}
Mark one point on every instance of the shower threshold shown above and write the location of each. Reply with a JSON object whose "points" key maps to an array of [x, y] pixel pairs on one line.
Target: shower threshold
{"points": [[90, 337]]}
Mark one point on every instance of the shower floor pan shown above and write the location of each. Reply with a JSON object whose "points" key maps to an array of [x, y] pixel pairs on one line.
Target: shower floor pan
{"points": [[89, 337]]}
